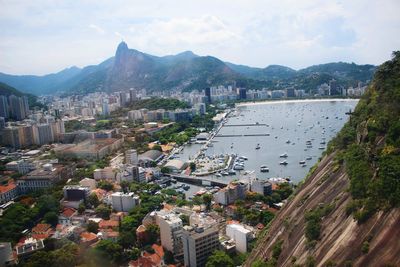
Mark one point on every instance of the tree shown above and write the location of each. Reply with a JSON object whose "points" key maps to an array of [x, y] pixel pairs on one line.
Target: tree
{"points": [[169, 257], [92, 227], [153, 232], [135, 253], [207, 200], [266, 216], [165, 170], [105, 185], [51, 218], [218, 259], [259, 263], [185, 219], [81, 208], [126, 239], [252, 217], [192, 166], [113, 251], [93, 200], [125, 186], [103, 211]]}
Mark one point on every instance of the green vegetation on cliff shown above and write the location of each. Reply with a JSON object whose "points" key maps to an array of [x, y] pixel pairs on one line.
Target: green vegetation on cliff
{"points": [[369, 145]]}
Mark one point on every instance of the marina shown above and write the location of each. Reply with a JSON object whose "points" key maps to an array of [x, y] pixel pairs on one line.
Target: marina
{"points": [[279, 139]]}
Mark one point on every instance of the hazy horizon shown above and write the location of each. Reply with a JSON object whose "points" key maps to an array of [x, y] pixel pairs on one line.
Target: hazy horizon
{"points": [[44, 37]]}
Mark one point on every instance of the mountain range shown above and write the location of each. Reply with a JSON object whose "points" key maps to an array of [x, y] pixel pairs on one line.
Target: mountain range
{"points": [[130, 68]]}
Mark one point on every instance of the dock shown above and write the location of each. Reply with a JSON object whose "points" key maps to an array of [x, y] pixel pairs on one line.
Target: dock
{"points": [[240, 135], [197, 180], [248, 124]]}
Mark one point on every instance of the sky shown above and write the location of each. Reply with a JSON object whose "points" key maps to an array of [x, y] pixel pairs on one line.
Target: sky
{"points": [[45, 36]]}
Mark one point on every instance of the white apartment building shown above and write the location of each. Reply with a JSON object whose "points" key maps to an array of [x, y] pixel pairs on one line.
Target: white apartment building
{"points": [[22, 166], [240, 235], [262, 187], [131, 157], [107, 173], [170, 232], [231, 193], [124, 201]]}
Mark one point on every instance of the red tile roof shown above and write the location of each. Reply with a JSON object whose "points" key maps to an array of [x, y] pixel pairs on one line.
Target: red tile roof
{"points": [[68, 212], [150, 260], [142, 262], [41, 228], [108, 224], [40, 236], [159, 250], [6, 188], [88, 237]]}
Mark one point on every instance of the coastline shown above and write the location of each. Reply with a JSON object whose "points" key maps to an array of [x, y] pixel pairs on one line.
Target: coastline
{"points": [[270, 102]]}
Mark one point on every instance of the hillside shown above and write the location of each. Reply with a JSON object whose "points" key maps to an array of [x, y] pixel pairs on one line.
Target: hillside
{"points": [[187, 71], [347, 213], [7, 90], [40, 84]]}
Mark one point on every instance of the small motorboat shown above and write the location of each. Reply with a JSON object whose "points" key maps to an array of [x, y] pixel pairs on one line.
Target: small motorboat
{"points": [[264, 168]]}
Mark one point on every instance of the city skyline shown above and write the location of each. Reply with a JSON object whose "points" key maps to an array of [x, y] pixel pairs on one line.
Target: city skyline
{"points": [[46, 37]]}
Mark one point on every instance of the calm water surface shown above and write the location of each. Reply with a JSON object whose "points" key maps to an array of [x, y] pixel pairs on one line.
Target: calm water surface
{"points": [[289, 125]]}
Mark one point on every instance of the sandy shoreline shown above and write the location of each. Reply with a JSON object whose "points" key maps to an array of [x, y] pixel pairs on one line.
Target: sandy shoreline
{"points": [[270, 102]]}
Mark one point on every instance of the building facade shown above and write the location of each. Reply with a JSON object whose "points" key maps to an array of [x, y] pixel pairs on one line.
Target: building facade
{"points": [[198, 244]]}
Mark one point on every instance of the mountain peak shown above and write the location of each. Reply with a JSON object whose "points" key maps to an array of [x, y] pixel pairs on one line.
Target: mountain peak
{"points": [[187, 53], [122, 47]]}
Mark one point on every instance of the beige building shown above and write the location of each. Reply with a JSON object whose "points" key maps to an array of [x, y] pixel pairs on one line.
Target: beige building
{"points": [[199, 242], [90, 149], [44, 177]]}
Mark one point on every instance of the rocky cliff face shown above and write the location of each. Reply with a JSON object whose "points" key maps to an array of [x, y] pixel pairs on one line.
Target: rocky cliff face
{"points": [[341, 238], [347, 211]]}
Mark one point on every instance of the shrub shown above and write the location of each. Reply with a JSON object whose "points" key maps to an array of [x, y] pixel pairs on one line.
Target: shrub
{"points": [[365, 247]]}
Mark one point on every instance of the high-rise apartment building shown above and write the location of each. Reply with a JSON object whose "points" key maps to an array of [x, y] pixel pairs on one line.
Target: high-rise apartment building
{"points": [[132, 95], [207, 93], [131, 157], [171, 232], [122, 99], [242, 93], [4, 109], [17, 107], [198, 244], [45, 133]]}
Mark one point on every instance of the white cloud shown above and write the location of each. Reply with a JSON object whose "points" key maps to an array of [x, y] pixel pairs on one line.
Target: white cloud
{"points": [[177, 33], [98, 29], [252, 32]]}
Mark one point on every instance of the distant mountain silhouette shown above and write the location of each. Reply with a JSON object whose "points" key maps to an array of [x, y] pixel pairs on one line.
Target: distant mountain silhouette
{"points": [[130, 68]]}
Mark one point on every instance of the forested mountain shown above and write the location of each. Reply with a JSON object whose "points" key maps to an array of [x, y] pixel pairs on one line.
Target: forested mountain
{"points": [[347, 212], [187, 71], [7, 90]]}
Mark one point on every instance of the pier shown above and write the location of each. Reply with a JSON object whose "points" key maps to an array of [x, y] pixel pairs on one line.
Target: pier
{"points": [[196, 180], [240, 135], [240, 125]]}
